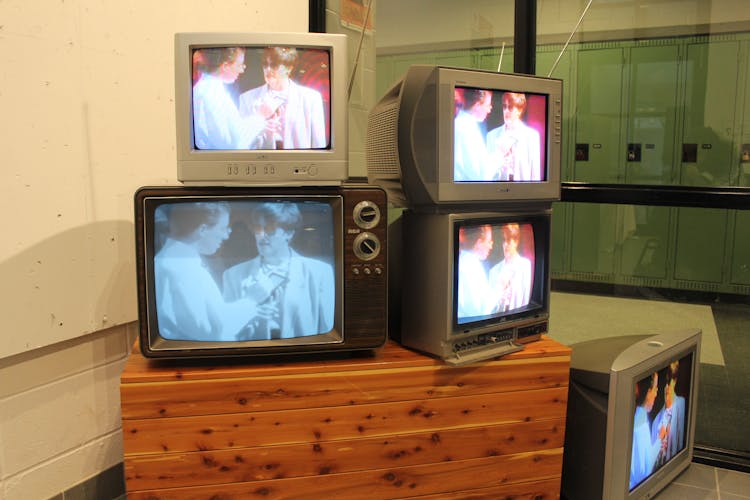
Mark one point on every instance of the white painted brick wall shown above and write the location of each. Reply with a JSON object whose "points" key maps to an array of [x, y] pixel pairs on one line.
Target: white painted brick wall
{"points": [[60, 413]]}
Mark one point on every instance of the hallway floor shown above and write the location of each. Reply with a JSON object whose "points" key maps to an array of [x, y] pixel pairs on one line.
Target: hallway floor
{"points": [[703, 482]]}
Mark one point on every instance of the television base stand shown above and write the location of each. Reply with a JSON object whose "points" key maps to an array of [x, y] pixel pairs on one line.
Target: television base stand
{"points": [[396, 425]]}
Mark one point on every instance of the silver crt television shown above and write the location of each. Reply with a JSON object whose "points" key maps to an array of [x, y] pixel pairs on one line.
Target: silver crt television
{"points": [[631, 414], [462, 305], [415, 145], [213, 120]]}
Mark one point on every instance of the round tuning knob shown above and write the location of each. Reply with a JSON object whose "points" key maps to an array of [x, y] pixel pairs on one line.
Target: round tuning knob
{"points": [[366, 246], [366, 214]]}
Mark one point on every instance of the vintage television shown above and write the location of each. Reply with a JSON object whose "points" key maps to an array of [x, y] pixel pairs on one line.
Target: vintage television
{"points": [[467, 295], [230, 112], [250, 271], [623, 391], [440, 139]]}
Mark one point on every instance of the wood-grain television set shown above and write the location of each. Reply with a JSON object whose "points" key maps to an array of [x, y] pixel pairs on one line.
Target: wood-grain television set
{"points": [[252, 271], [222, 143]]}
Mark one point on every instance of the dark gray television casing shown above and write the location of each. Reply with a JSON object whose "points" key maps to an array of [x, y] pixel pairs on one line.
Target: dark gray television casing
{"points": [[601, 407]]}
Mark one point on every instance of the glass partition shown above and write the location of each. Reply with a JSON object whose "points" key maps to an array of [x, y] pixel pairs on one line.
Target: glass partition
{"points": [[657, 104]]}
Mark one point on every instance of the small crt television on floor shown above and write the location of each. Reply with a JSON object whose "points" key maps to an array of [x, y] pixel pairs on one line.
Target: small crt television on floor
{"points": [[631, 414]]}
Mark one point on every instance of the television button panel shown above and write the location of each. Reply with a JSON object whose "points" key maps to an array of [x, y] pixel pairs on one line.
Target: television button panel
{"points": [[558, 120]]}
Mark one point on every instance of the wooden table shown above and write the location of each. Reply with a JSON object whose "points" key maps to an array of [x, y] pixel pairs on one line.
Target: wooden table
{"points": [[397, 424]]}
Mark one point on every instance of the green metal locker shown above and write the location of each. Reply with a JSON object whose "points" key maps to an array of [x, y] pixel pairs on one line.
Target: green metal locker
{"points": [[740, 268], [598, 115], [594, 237], [651, 114], [710, 106], [700, 247]]}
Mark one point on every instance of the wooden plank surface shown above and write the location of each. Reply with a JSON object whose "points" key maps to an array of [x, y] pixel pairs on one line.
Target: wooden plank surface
{"points": [[397, 424], [213, 432], [345, 455], [392, 355], [279, 392], [385, 483]]}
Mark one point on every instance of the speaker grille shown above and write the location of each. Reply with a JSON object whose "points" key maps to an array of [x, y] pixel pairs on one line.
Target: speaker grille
{"points": [[381, 146]]}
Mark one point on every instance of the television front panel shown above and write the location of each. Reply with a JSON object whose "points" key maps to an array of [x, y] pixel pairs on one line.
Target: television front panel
{"points": [[259, 271], [261, 108], [453, 139], [475, 285]]}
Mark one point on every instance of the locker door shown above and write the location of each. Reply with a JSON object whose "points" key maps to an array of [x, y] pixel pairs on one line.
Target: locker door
{"points": [[701, 235], [559, 236], [384, 76], [645, 245], [455, 58], [544, 62], [740, 270], [652, 107], [598, 115], [489, 58], [594, 238], [711, 90]]}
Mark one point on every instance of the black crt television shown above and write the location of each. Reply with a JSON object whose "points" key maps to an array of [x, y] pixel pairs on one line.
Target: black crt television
{"points": [[261, 108], [631, 414], [476, 284], [248, 271], [451, 139]]}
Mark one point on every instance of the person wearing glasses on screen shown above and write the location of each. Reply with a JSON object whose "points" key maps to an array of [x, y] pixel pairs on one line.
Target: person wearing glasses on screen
{"points": [[511, 277], [302, 298], [189, 304], [216, 120], [646, 450], [470, 159], [297, 110], [514, 147]]}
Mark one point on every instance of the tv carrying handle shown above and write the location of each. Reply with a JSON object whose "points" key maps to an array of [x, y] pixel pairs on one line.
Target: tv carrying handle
{"points": [[484, 354]]}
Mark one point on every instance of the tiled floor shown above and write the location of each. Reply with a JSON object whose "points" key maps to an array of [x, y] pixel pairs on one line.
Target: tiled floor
{"points": [[703, 482]]}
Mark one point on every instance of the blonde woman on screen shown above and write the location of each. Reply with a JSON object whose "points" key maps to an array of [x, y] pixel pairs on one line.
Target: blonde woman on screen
{"points": [[515, 148], [511, 277]]}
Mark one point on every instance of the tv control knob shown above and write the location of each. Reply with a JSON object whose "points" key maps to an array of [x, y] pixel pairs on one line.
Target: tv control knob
{"points": [[366, 246], [366, 214]]}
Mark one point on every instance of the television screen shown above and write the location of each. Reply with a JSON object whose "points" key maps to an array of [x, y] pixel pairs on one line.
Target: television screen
{"points": [[662, 408], [250, 97], [495, 270], [499, 136], [242, 271], [261, 108]]}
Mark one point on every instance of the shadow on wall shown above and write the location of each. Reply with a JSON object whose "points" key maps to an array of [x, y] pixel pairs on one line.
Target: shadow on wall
{"points": [[74, 283]]}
